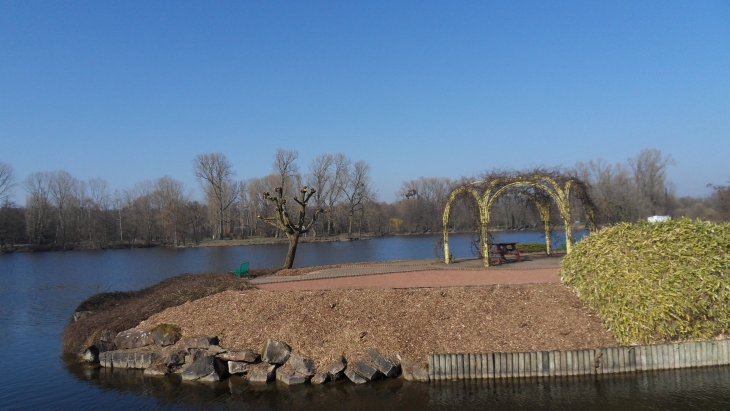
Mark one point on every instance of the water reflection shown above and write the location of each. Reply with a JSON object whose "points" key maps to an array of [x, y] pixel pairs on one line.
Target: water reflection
{"points": [[687, 389]]}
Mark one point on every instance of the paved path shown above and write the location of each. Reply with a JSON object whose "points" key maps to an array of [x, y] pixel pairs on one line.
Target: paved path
{"points": [[419, 273]]}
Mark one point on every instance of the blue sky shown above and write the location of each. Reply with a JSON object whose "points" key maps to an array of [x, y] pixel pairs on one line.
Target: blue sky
{"points": [[130, 91]]}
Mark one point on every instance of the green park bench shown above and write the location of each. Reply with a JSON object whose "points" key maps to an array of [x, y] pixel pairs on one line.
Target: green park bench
{"points": [[243, 269]]}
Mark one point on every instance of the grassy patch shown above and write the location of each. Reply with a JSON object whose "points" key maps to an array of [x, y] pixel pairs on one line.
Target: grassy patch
{"points": [[532, 247], [119, 311], [655, 282]]}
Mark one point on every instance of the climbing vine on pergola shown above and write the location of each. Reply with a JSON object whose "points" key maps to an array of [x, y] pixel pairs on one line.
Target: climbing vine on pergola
{"points": [[542, 187]]}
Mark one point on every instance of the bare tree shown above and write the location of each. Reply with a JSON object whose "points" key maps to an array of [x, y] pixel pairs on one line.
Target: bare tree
{"points": [[99, 221], [62, 186], [7, 181], [722, 194], [38, 206], [215, 175], [293, 228], [286, 169], [650, 169], [612, 189], [323, 177], [357, 191], [341, 165], [169, 198]]}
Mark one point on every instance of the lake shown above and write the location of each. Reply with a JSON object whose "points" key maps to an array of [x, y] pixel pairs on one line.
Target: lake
{"points": [[39, 292]]}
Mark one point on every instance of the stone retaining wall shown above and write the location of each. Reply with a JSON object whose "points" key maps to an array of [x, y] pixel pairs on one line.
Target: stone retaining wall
{"points": [[578, 362]]}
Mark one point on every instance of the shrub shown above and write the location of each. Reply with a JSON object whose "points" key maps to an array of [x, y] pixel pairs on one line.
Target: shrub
{"points": [[655, 282], [532, 247]]}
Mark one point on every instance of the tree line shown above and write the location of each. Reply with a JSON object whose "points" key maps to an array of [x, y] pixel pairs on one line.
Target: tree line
{"points": [[63, 212]]}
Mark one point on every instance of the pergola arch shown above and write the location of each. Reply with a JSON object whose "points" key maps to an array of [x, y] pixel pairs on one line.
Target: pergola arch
{"points": [[546, 186]]}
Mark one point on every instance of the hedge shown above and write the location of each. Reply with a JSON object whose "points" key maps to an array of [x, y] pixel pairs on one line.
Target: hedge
{"points": [[655, 281]]}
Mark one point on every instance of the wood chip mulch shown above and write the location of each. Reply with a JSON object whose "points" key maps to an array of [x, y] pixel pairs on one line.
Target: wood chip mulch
{"points": [[414, 322]]}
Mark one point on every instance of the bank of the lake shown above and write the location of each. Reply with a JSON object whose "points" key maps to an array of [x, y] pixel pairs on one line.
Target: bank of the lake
{"points": [[40, 291]]}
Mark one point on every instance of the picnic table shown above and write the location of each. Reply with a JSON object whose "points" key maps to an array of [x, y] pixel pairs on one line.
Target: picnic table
{"points": [[499, 251]]}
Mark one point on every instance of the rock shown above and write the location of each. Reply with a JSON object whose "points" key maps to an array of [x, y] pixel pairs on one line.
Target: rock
{"points": [[365, 369], [127, 359], [133, 339], [386, 365], [302, 365], [175, 359], [354, 377], [337, 368], [159, 367], [90, 354], [413, 371], [214, 350], [245, 356], [166, 334], [81, 314], [106, 341], [237, 367], [321, 378], [208, 369], [194, 354], [289, 376], [261, 372], [198, 342], [275, 352]]}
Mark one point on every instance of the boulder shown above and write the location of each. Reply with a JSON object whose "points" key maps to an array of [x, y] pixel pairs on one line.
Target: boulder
{"points": [[238, 367], [384, 364], [289, 376], [194, 354], [166, 334], [413, 371], [337, 369], [131, 339], [275, 352], [354, 377], [209, 369], [321, 378], [159, 367], [245, 356], [302, 365], [365, 370], [261, 372], [106, 340], [127, 359], [90, 354], [198, 342], [214, 350], [175, 359]]}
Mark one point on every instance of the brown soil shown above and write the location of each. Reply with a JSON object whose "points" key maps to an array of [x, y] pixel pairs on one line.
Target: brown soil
{"points": [[414, 322]]}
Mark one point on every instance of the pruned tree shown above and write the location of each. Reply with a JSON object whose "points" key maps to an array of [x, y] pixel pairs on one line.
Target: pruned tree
{"points": [[293, 228], [215, 174]]}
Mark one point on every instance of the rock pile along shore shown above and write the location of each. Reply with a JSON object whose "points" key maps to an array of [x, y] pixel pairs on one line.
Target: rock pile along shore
{"points": [[162, 351]]}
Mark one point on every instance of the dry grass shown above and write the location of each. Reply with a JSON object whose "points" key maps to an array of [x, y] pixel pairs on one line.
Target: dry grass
{"points": [[415, 322], [118, 311]]}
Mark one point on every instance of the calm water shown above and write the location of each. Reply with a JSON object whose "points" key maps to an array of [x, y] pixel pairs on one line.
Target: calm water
{"points": [[39, 292]]}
